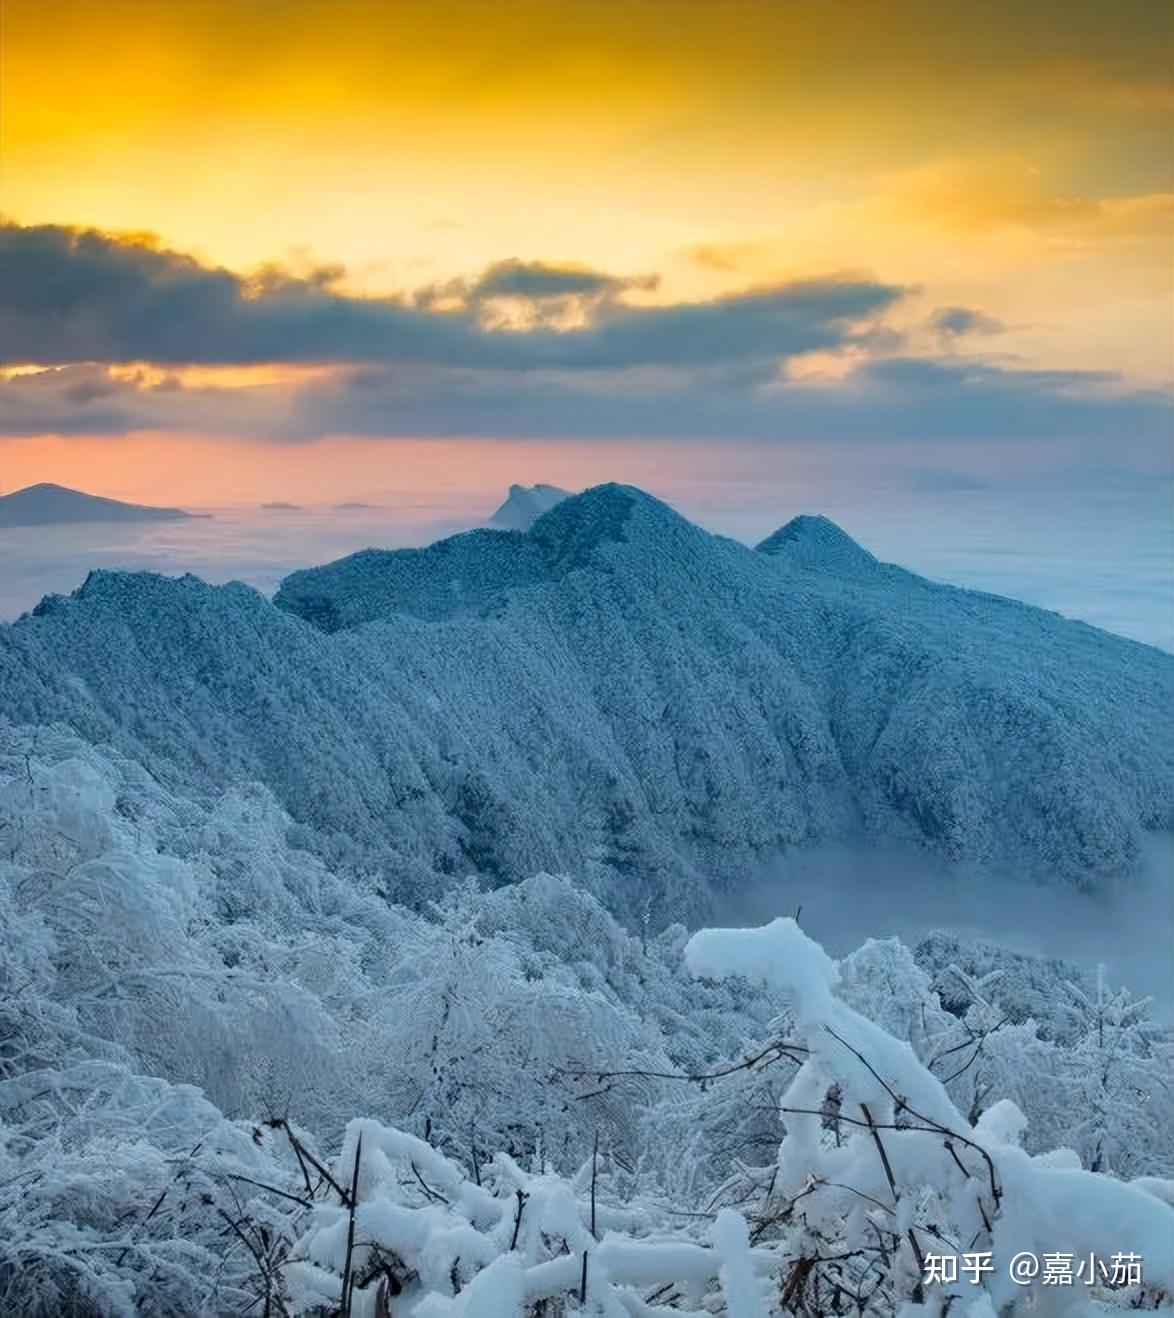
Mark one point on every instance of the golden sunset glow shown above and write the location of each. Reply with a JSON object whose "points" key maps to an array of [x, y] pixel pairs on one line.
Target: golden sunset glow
{"points": [[1013, 159]]}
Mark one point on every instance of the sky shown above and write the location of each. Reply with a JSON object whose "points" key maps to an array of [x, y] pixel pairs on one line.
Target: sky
{"points": [[305, 251]]}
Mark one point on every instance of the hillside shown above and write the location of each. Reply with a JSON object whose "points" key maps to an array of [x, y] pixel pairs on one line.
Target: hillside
{"points": [[618, 694]]}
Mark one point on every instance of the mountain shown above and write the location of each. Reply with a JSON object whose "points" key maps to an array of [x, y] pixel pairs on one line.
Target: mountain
{"points": [[525, 504], [818, 543], [618, 695], [48, 505]]}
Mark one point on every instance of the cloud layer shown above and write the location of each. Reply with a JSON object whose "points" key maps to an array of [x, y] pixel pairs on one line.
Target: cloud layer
{"points": [[525, 349], [72, 296]]}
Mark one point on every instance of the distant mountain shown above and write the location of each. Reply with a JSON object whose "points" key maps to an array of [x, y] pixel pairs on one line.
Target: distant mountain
{"points": [[47, 505], [617, 695], [525, 504]]}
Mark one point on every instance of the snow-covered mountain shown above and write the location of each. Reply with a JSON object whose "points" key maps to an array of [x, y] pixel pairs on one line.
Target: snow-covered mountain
{"points": [[213, 1020], [525, 504], [620, 695], [47, 505]]}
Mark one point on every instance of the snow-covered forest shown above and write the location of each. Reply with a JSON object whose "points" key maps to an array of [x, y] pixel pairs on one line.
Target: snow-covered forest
{"points": [[358, 954]]}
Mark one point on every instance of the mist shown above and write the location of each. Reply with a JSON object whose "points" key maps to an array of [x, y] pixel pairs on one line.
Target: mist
{"points": [[846, 894], [257, 545]]}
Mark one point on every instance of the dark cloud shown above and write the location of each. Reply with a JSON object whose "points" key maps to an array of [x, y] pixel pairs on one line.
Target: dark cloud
{"points": [[70, 400], [70, 296], [87, 399], [976, 380], [952, 322], [906, 399], [536, 280], [707, 369]]}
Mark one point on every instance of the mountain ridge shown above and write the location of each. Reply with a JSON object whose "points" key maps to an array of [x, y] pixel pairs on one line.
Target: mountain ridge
{"points": [[620, 695]]}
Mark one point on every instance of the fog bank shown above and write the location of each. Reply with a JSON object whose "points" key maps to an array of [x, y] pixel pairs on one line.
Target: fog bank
{"points": [[847, 894]]}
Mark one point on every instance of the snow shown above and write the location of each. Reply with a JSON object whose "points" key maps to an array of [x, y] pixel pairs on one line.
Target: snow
{"points": [[499, 1290], [344, 891], [146, 932], [912, 1180], [1034, 1205], [740, 1287], [778, 955]]}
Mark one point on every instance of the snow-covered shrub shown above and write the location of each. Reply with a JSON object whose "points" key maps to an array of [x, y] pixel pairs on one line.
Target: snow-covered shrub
{"points": [[514, 1242], [117, 1195], [152, 941], [201, 945], [877, 1176], [1119, 1080], [878, 1168]]}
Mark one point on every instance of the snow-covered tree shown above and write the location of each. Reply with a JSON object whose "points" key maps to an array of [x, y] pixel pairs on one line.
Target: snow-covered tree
{"points": [[878, 1179], [155, 943], [1119, 1080]]}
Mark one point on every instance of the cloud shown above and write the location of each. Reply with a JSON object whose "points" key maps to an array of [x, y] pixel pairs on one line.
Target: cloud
{"points": [[912, 399], [88, 398], [69, 296], [84, 304], [729, 256], [532, 295], [907, 398], [70, 400], [537, 280], [935, 480], [952, 322], [1006, 190]]}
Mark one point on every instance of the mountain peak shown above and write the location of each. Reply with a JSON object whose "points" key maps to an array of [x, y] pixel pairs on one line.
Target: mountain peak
{"points": [[525, 504], [814, 541], [603, 514]]}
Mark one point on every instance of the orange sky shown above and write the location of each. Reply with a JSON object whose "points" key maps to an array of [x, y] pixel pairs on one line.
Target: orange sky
{"points": [[209, 471], [1008, 157]]}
